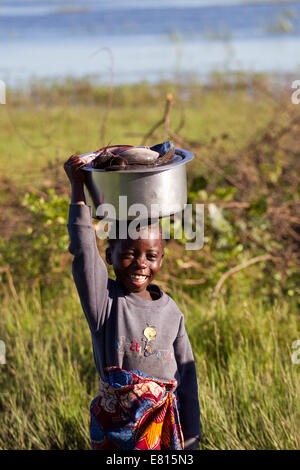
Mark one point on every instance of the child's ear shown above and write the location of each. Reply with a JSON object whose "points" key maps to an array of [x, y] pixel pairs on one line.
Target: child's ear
{"points": [[162, 257], [108, 255]]}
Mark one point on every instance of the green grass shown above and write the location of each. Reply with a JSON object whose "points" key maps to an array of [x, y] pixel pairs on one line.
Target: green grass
{"points": [[44, 386], [248, 385], [46, 127]]}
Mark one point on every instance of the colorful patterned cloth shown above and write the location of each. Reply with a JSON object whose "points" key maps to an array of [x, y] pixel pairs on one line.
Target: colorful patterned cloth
{"points": [[134, 411]]}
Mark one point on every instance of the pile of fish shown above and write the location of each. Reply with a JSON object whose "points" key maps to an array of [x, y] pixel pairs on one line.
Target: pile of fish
{"points": [[122, 157]]}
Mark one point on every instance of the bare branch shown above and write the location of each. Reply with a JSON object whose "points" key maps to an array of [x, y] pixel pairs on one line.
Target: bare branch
{"points": [[234, 270]]}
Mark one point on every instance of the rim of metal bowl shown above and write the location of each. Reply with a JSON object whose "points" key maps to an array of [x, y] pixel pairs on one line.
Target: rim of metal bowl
{"points": [[186, 154]]}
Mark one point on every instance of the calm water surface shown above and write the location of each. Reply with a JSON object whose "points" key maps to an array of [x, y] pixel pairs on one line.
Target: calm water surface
{"points": [[134, 40]]}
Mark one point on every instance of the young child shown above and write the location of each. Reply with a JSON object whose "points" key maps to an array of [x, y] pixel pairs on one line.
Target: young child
{"points": [[148, 397]]}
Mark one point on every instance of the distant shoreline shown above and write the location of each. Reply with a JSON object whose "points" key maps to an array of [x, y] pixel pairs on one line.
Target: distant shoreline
{"points": [[222, 77]]}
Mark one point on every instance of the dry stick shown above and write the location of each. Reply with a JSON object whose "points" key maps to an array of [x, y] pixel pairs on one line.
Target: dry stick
{"points": [[182, 120], [181, 141], [234, 270], [163, 120], [177, 138]]}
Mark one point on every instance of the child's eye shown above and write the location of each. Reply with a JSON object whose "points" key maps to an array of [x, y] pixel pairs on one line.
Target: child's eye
{"points": [[152, 256], [127, 254]]}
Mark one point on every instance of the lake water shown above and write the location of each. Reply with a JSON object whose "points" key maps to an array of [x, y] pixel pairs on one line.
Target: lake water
{"points": [[128, 41]]}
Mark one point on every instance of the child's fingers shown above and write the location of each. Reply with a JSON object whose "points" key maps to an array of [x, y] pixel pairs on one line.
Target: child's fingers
{"points": [[73, 162], [74, 159], [73, 168], [79, 166]]}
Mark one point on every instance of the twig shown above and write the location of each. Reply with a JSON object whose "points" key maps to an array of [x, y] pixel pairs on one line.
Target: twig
{"points": [[184, 142], [163, 120], [182, 121], [234, 270]]}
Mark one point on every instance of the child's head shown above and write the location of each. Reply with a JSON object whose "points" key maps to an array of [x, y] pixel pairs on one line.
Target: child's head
{"points": [[137, 261]]}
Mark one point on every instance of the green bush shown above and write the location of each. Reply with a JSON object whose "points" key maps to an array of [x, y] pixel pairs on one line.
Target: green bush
{"points": [[37, 254]]}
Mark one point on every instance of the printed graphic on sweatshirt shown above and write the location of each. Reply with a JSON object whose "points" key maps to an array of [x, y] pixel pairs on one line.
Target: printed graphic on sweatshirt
{"points": [[145, 346], [148, 339]]}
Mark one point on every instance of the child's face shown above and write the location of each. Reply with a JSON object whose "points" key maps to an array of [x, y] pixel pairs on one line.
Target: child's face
{"points": [[136, 262]]}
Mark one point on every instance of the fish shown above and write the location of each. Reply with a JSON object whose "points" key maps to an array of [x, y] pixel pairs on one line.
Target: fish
{"points": [[115, 149], [102, 160], [116, 163], [105, 156], [166, 152], [116, 157], [139, 155]]}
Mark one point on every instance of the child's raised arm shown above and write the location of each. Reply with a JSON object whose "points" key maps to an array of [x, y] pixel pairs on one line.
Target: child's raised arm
{"points": [[76, 177], [89, 271]]}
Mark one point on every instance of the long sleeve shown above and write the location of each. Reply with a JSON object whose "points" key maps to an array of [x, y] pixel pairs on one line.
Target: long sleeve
{"points": [[88, 268], [187, 389]]}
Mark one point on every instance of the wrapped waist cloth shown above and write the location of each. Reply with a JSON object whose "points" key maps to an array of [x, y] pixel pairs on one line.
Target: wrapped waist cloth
{"points": [[134, 411]]}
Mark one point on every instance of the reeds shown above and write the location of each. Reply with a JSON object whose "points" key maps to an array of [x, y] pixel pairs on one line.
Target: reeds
{"points": [[248, 385]]}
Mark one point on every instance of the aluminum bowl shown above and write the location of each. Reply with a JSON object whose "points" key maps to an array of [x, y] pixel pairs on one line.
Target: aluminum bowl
{"points": [[161, 189]]}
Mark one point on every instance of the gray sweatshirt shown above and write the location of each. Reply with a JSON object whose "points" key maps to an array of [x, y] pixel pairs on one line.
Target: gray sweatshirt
{"points": [[128, 331]]}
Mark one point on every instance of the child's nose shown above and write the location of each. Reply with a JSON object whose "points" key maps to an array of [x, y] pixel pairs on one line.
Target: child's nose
{"points": [[141, 262]]}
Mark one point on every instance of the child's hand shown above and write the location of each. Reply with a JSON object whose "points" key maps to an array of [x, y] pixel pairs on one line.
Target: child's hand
{"points": [[73, 167]]}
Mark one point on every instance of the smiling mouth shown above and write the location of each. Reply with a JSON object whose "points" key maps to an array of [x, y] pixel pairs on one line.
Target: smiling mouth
{"points": [[138, 279]]}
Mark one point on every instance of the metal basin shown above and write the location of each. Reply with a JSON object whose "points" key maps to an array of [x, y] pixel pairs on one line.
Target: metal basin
{"points": [[162, 190]]}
